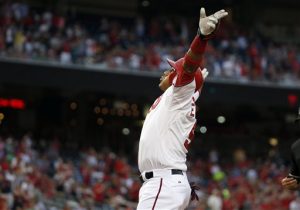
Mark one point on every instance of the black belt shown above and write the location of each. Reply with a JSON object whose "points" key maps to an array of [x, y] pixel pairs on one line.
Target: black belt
{"points": [[149, 175]]}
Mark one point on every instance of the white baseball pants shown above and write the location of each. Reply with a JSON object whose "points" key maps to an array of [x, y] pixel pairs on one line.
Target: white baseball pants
{"points": [[164, 191]]}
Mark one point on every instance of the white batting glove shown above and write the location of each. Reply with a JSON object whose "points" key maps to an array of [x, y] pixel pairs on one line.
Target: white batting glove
{"points": [[208, 24], [204, 73]]}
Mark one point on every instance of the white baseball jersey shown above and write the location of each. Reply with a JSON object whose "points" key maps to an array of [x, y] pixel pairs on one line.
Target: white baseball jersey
{"points": [[169, 127]]}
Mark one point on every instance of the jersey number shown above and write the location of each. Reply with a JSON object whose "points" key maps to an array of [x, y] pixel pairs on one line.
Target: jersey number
{"points": [[190, 138], [154, 105], [193, 109]]}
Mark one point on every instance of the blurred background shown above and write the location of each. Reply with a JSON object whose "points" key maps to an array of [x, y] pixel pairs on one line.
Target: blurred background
{"points": [[78, 77]]}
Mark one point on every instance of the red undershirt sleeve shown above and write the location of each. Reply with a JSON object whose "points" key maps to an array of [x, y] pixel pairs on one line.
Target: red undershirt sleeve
{"points": [[191, 62]]}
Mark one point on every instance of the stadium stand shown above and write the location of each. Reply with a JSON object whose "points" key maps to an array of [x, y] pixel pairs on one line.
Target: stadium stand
{"points": [[38, 175], [134, 44]]}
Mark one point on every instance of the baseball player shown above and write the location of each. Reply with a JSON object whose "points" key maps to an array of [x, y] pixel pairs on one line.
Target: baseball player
{"points": [[169, 126], [292, 181]]}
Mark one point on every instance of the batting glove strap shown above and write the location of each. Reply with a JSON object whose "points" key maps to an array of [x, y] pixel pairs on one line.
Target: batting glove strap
{"points": [[206, 37]]}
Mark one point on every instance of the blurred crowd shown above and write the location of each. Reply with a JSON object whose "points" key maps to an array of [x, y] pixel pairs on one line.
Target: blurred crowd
{"points": [[43, 175], [139, 44]]}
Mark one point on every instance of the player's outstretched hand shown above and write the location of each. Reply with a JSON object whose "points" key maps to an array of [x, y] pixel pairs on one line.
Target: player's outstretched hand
{"points": [[204, 73], [208, 24]]}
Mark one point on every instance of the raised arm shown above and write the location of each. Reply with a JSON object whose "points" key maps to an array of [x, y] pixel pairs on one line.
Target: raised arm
{"points": [[207, 26], [185, 68]]}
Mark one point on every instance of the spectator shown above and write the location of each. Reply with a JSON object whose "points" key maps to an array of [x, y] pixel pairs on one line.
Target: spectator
{"points": [[214, 201]]}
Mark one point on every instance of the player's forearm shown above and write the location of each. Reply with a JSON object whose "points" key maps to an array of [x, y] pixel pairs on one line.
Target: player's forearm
{"points": [[193, 57], [207, 27]]}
